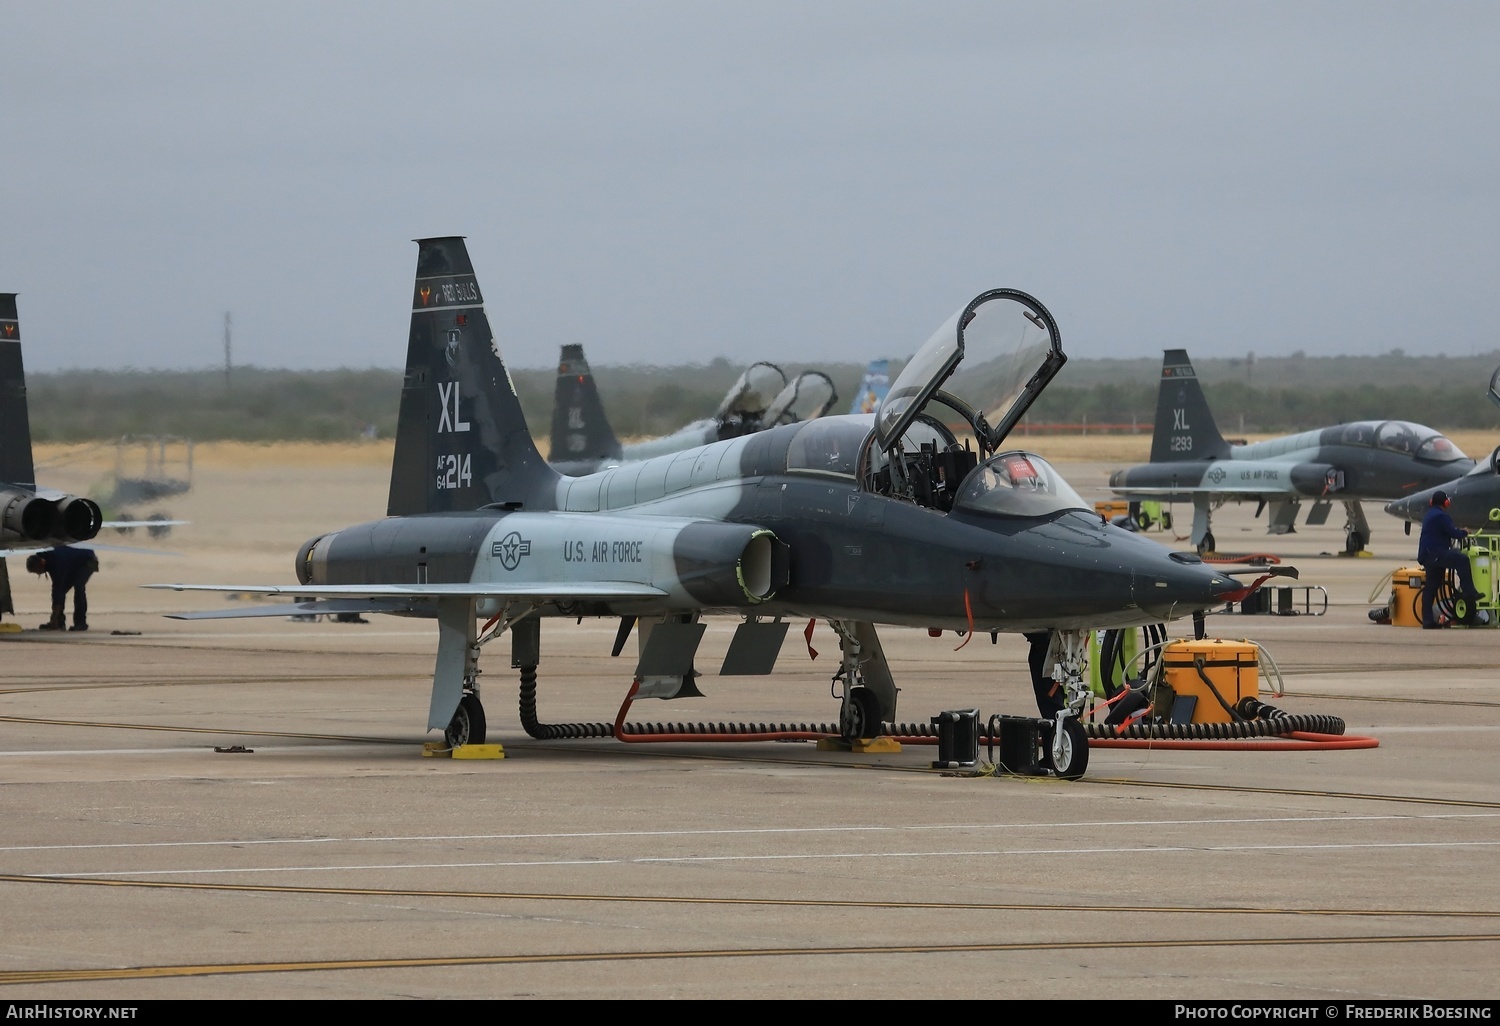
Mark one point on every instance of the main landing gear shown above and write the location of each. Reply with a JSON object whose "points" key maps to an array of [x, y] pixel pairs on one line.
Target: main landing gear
{"points": [[1356, 528], [467, 726], [869, 694], [455, 678]]}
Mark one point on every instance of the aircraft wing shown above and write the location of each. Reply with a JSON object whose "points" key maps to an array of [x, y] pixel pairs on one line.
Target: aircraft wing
{"points": [[123, 524], [28, 549], [393, 598], [1221, 491], [1229, 479]]}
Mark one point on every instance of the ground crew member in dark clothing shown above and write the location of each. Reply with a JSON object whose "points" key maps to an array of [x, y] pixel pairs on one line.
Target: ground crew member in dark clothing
{"points": [[70, 570], [1049, 693], [1437, 556]]}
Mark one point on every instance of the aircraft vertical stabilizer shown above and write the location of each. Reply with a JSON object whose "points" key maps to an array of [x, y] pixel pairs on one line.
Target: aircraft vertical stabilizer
{"points": [[872, 389], [16, 466], [461, 438], [1185, 428], [580, 429]]}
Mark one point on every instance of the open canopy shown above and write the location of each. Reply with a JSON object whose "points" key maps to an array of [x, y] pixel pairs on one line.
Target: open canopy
{"points": [[988, 362], [808, 397]]}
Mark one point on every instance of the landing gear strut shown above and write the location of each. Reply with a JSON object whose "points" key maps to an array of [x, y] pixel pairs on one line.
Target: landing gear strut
{"points": [[1061, 657], [1356, 528], [869, 693]]}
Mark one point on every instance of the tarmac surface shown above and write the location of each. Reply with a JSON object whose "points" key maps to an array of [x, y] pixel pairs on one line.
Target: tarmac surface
{"points": [[242, 809]]}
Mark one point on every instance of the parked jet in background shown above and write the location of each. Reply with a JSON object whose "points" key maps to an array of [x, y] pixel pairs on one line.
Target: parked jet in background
{"points": [[856, 520], [872, 389], [30, 519], [1368, 459], [584, 442], [1471, 498]]}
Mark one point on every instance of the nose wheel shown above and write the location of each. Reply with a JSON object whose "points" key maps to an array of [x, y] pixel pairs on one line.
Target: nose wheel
{"points": [[1067, 752]]}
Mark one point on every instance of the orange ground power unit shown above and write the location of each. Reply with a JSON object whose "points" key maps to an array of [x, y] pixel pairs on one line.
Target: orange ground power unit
{"points": [[1406, 596], [1210, 677]]}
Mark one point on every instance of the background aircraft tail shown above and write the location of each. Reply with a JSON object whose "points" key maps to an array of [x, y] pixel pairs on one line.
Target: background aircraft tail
{"points": [[1185, 428], [580, 430], [16, 467], [26, 517], [872, 389], [461, 439]]}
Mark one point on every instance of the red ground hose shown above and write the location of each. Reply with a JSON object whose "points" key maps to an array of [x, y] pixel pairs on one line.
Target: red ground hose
{"points": [[1296, 741]]}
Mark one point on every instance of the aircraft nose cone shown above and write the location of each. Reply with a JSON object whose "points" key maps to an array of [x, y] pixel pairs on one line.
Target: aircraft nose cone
{"points": [[1181, 584], [1406, 508]]}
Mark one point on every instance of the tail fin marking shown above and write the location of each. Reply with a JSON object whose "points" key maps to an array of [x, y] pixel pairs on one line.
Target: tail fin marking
{"points": [[1184, 428], [16, 467], [461, 438]]}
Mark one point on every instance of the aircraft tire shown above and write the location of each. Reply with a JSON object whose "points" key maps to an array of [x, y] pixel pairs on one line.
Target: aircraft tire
{"points": [[1075, 752], [1207, 545], [860, 716], [467, 726], [1354, 543]]}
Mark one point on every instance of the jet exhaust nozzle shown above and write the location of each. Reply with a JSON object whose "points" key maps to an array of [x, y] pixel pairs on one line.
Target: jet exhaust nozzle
{"points": [[27, 517], [78, 519]]}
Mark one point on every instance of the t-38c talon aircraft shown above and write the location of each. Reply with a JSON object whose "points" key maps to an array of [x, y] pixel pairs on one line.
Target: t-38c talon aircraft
{"points": [[583, 441], [858, 520], [1367, 459]]}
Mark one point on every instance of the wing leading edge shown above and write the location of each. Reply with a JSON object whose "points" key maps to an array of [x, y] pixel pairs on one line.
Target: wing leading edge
{"points": [[398, 598]]}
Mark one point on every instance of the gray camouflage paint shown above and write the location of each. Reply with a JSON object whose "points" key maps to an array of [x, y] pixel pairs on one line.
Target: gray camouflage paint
{"points": [[465, 463]]}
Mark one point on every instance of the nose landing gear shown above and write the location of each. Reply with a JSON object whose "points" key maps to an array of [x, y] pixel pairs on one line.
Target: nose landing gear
{"points": [[1067, 752]]}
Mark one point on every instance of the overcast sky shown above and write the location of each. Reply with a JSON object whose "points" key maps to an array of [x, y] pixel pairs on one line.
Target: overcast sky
{"points": [[667, 182]]}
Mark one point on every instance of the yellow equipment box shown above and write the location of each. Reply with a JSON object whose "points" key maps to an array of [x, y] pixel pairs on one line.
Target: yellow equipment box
{"points": [[1406, 596], [1232, 669], [1109, 509]]}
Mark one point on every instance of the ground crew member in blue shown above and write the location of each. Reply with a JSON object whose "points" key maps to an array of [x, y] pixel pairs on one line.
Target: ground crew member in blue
{"points": [[70, 570], [1437, 556]]}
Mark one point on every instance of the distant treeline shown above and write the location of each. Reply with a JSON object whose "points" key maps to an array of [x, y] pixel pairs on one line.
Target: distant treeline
{"points": [[1272, 394]]}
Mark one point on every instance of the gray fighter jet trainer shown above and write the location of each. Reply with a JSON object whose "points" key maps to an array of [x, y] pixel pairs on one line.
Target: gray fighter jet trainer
{"points": [[30, 519], [1472, 498], [1367, 459], [583, 442], [855, 520]]}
